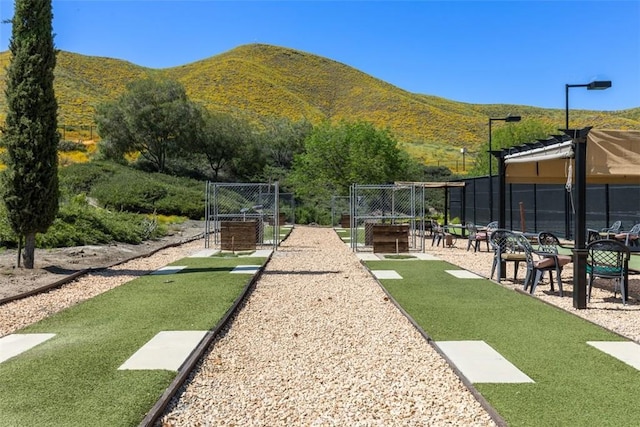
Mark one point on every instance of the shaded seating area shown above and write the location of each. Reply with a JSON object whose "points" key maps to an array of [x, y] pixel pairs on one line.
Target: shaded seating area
{"points": [[608, 259], [577, 159]]}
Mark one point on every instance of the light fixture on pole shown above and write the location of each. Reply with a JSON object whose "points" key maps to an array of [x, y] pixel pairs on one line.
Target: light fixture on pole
{"points": [[509, 118], [463, 151], [594, 85]]}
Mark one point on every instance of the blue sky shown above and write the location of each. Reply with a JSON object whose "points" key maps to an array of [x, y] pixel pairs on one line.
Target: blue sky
{"points": [[485, 52]]}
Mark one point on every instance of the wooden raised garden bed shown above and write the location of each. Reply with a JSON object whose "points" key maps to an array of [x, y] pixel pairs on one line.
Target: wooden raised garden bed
{"points": [[238, 235], [390, 238]]}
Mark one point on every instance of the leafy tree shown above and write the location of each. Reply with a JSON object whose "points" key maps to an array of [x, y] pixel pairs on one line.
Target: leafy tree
{"points": [[283, 139], [337, 156], [154, 118], [220, 139], [30, 180], [509, 135]]}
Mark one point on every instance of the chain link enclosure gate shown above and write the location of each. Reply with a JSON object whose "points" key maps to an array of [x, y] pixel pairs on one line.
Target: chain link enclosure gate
{"points": [[386, 204], [340, 205], [242, 203]]}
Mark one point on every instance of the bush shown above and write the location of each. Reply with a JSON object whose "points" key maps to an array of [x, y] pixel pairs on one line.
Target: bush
{"points": [[67, 146], [79, 224]]}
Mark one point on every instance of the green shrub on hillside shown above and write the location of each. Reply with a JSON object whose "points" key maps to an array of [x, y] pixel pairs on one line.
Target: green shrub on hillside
{"points": [[120, 188], [79, 224], [79, 178]]}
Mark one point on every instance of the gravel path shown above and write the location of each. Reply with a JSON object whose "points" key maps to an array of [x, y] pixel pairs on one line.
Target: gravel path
{"points": [[319, 344]]}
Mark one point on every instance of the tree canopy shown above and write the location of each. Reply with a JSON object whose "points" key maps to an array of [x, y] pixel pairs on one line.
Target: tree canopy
{"points": [[509, 135], [154, 118], [337, 156]]}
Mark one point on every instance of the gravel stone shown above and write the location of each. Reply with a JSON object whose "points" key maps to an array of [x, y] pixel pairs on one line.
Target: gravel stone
{"points": [[318, 343]]}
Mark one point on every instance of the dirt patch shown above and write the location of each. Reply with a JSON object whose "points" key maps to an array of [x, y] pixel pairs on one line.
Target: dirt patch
{"points": [[53, 265]]}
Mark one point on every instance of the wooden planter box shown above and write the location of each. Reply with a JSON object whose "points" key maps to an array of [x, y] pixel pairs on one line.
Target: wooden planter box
{"points": [[390, 238], [368, 232], [238, 235], [345, 221], [282, 219]]}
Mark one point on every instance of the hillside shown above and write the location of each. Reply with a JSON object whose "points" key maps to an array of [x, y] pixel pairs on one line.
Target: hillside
{"points": [[261, 80]]}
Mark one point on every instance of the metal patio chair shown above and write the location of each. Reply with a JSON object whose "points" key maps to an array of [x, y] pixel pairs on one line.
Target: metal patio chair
{"points": [[614, 229], [476, 237], [506, 248], [548, 259], [631, 237], [608, 259]]}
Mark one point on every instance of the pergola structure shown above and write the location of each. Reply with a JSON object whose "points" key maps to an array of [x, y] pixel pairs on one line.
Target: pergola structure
{"points": [[575, 159]]}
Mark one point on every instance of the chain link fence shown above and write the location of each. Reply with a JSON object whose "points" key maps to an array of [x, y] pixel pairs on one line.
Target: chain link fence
{"points": [[227, 206], [393, 205], [340, 211]]}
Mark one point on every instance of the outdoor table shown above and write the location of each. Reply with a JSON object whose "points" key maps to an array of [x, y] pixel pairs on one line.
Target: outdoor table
{"points": [[532, 237]]}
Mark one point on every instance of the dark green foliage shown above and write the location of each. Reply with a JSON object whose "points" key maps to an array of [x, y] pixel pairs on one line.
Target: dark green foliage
{"points": [[220, 138], [338, 156], [154, 118], [121, 188], [509, 135], [78, 223], [283, 139], [71, 146], [81, 177], [30, 180], [135, 191]]}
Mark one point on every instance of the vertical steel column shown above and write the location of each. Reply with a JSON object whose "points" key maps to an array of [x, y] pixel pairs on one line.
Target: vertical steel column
{"points": [[580, 253]]}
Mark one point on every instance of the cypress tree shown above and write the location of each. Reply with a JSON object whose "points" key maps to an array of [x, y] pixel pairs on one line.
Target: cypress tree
{"points": [[30, 136]]}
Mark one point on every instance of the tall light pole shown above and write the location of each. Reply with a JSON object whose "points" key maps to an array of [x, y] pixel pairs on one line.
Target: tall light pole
{"points": [[463, 151], [594, 85], [509, 118]]}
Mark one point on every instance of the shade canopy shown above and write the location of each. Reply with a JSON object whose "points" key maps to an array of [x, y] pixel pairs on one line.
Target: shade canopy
{"points": [[613, 157]]}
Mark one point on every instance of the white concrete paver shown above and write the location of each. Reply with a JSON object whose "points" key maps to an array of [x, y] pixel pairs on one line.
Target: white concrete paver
{"points": [[463, 274], [205, 253], [386, 274], [15, 344], [261, 253], [167, 350], [245, 269], [170, 269], [626, 351], [480, 363]]}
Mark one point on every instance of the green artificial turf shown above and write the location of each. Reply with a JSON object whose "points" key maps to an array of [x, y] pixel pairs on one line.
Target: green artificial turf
{"points": [[73, 379], [575, 384]]}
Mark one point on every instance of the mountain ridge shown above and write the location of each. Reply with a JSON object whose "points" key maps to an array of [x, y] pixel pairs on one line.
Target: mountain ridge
{"points": [[258, 80]]}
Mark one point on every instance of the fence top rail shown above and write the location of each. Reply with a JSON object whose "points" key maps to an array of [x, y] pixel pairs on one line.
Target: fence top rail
{"points": [[443, 184]]}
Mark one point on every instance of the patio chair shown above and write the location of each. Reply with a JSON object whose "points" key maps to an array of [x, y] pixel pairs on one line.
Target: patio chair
{"points": [[476, 237], [493, 225], [630, 237], [506, 248], [548, 260], [614, 229], [593, 235], [608, 259]]}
